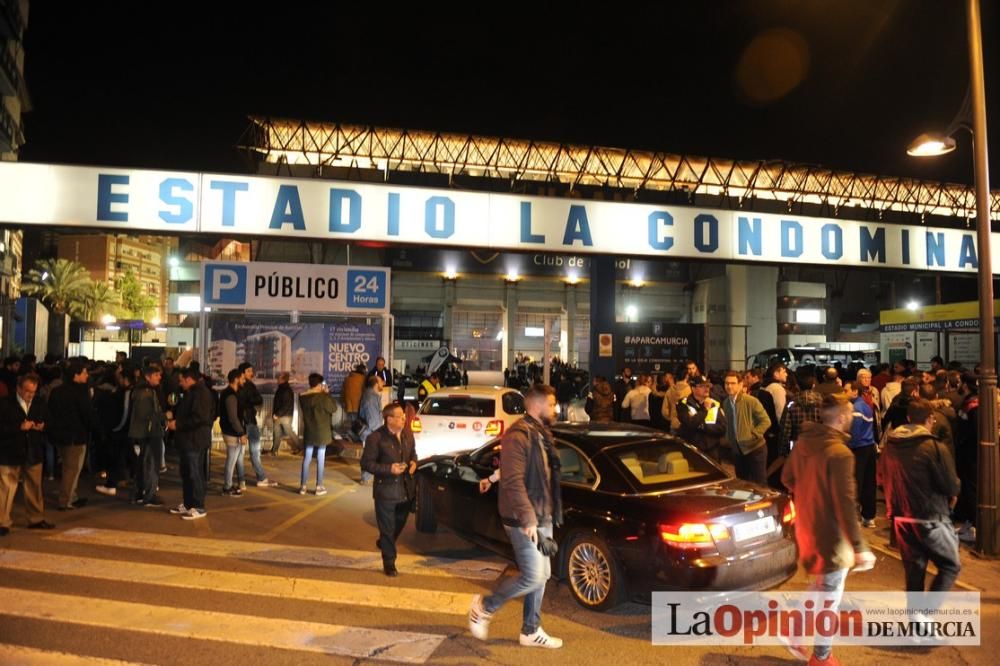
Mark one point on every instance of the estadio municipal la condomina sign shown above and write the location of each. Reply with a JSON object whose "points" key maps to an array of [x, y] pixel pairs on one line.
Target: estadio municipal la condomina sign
{"points": [[129, 201]]}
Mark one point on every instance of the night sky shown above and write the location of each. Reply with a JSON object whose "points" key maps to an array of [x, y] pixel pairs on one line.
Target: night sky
{"points": [[843, 84]]}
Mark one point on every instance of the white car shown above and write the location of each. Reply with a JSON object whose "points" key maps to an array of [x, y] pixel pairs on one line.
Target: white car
{"points": [[458, 419]]}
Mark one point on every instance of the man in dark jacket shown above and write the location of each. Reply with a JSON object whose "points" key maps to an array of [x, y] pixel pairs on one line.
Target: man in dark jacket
{"points": [[702, 421], [234, 434], [390, 455], [283, 408], [145, 430], [22, 420], [250, 399], [530, 507], [70, 431], [192, 427], [921, 487], [820, 475], [602, 408]]}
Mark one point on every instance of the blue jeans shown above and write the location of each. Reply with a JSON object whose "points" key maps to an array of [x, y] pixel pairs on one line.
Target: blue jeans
{"points": [[234, 460], [193, 477], [283, 428], [831, 586], [320, 462], [253, 435], [534, 571]]}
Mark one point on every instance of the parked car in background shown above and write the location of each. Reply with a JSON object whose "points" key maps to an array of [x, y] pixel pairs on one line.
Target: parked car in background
{"points": [[459, 419], [643, 511], [793, 357]]}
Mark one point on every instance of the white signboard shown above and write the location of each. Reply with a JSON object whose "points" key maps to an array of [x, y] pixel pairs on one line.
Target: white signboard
{"points": [[927, 347], [129, 200], [230, 285], [964, 347]]}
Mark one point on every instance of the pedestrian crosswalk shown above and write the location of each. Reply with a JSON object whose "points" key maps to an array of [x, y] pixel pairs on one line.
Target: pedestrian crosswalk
{"points": [[110, 563]]}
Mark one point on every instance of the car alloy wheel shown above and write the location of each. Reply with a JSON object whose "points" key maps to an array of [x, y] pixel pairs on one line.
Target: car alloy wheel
{"points": [[593, 574]]}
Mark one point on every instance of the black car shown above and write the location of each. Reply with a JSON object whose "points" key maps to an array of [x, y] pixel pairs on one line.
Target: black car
{"points": [[643, 511]]}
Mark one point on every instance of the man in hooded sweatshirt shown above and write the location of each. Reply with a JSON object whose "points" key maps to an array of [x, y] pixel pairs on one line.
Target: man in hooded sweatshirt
{"points": [[603, 398], [820, 476], [921, 487]]}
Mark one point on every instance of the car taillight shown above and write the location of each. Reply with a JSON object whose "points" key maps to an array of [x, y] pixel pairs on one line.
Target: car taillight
{"points": [[494, 428], [415, 425], [788, 516], [693, 535]]}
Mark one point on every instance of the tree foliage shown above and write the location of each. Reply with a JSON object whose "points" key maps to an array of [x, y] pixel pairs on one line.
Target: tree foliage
{"points": [[99, 299], [59, 283], [135, 302]]}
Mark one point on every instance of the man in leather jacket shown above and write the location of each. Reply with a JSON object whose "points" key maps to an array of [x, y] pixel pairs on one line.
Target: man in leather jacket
{"points": [[530, 507], [390, 455]]}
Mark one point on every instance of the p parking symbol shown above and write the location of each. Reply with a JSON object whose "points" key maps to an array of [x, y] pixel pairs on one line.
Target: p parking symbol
{"points": [[225, 285]]}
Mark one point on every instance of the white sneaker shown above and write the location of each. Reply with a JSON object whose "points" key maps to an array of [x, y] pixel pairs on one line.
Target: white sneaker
{"points": [[320, 490], [479, 619], [243, 485], [302, 490], [180, 509], [267, 483], [194, 514], [540, 639], [107, 490]]}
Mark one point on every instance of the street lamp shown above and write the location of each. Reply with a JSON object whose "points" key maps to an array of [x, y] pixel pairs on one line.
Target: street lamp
{"points": [[986, 518]]}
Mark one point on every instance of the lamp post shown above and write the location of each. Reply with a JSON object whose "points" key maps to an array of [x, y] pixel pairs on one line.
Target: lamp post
{"points": [[986, 518]]}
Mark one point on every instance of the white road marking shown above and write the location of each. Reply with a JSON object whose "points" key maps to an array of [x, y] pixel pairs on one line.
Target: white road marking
{"points": [[484, 569], [16, 655], [283, 587], [330, 639]]}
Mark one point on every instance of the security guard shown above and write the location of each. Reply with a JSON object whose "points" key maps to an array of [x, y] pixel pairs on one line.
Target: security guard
{"points": [[702, 421], [428, 386]]}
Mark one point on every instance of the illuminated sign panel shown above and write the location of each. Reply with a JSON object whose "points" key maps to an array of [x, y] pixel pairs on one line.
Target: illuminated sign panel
{"points": [[180, 202]]}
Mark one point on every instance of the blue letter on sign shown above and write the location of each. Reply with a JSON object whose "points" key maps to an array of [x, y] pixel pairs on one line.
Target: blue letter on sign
{"points": [[526, 235], [229, 189], [577, 227], [700, 222], [430, 217], [832, 249], [288, 209], [105, 197], [657, 218], [873, 247], [167, 196], [968, 253], [393, 224], [337, 199], [791, 238], [749, 236], [935, 249]]}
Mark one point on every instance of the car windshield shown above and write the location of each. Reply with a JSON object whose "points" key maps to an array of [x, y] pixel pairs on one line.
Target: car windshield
{"points": [[666, 464], [459, 405]]}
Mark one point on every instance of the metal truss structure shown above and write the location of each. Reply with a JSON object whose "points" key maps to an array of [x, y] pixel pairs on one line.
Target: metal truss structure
{"points": [[295, 142]]}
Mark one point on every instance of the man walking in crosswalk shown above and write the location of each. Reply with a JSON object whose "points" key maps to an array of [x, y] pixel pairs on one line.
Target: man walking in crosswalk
{"points": [[530, 506]]}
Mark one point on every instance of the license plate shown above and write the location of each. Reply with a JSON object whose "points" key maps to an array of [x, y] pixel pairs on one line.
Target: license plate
{"points": [[754, 528]]}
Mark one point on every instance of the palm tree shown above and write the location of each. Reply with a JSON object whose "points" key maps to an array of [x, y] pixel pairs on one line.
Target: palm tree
{"points": [[59, 283], [98, 298]]}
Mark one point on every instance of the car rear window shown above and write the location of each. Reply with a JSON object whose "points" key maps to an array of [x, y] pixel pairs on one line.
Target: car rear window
{"points": [[665, 464], [513, 403], [459, 406]]}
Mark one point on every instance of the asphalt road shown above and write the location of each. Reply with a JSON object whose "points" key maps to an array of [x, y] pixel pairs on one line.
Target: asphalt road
{"points": [[278, 578]]}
